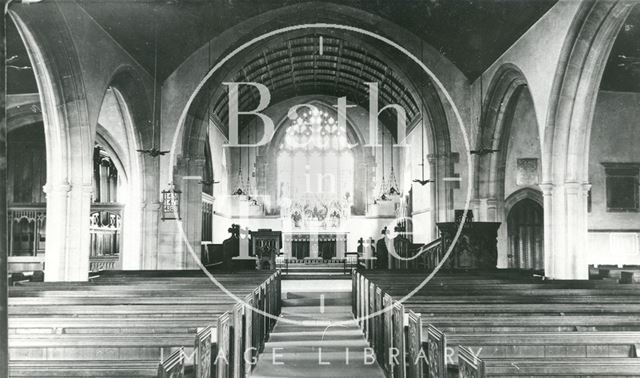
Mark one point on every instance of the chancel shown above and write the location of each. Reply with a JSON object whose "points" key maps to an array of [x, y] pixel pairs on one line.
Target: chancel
{"points": [[320, 189]]}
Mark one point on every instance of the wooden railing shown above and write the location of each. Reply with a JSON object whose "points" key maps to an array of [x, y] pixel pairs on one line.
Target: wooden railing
{"points": [[99, 263], [409, 256], [105, 228], [27, 229]]}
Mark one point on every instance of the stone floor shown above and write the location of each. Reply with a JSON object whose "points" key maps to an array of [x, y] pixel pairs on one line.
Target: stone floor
{"points": [[324, 341]]}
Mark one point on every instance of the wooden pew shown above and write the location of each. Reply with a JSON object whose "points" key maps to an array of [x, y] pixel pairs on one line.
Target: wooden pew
{"points": [[473, 367], [173, 366], [442, 349], [104, 368], [448, 292], [155, 319]]}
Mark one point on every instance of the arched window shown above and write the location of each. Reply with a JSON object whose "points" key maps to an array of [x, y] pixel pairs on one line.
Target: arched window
{"points": [[315, 170]]}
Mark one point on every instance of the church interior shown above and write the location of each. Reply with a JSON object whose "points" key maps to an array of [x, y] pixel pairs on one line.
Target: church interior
{"points": [[360, 188]]}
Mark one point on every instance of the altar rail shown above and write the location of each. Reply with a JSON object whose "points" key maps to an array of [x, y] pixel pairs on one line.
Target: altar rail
{"points": [[423, 257]]}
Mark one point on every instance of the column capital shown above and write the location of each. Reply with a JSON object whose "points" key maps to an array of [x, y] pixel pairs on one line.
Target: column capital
{"points": [[151, 205], [59, 187], [547, 188]]}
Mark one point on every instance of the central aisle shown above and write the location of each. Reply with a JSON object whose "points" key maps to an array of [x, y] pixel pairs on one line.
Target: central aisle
{"points": [[308, 350]]}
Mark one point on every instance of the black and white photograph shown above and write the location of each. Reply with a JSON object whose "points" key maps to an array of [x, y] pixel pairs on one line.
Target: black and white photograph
{"points": [[320, 188]]}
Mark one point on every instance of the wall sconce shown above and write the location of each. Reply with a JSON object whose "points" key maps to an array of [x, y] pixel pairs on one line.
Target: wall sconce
{"points": [[171, 203]]}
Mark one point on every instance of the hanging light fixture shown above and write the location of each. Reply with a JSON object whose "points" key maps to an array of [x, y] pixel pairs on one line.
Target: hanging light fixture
{"points": [[251, 186], [383, 196], [394, 188], [423, 116], [240, 189], [154, 151]]}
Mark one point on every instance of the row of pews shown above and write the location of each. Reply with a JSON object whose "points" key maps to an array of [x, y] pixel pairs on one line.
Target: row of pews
{"points": [[501, 323], [141, 324]]}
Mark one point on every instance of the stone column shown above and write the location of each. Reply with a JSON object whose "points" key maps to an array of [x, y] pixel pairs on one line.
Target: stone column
{"points": [[565, 227], [151, 218], [67, 245], [191, 210], [492, 211], [547, 198]]}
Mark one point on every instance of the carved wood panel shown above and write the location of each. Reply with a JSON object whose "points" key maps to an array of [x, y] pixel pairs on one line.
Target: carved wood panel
{"points": [[414, 344], [203, 350], [223, 367], [399, 368], [238, 340], [436, 343], [172, 366], [388, 332], [248, 352], [469, 366]]}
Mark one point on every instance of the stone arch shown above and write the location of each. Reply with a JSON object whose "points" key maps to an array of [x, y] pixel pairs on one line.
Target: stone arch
{"points": [[517, 196], [193, 132], [495, 129], [193, 74], [24, 112], [575, 88], [135, 112], [65, 114], [186, 108], [566, 136]]}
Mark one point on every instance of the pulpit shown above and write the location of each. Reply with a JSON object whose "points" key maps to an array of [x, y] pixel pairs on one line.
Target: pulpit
{"points": [[476, 248]]}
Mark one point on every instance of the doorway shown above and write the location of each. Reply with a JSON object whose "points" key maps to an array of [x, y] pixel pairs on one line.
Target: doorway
{"points": [[525, 225]]}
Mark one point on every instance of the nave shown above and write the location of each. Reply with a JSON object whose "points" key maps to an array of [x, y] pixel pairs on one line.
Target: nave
{"points": [[320, 159]]}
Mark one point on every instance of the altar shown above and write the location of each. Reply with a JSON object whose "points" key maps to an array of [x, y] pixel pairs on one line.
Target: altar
{"points": [[326, 245]]}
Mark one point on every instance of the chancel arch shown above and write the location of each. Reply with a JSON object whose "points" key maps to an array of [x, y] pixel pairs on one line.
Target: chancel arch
{"points": [[254, 173]]}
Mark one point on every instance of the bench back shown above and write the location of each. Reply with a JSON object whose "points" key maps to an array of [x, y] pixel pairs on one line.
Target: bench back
{"points": [[172, 366]]}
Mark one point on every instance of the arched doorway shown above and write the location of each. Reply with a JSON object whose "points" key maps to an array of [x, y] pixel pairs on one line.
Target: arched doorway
{"points": [[525, 225]]}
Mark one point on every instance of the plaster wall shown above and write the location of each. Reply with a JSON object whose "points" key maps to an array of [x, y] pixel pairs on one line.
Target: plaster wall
{"points": [[613, 236], [524, 142], [536, 54]]}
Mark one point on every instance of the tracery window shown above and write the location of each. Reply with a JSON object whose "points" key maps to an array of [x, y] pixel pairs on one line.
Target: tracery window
{"points": [[315, 170]]}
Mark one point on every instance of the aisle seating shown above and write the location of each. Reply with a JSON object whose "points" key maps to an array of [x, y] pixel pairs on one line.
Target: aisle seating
{"points": [[124, 324], [504, 315]]}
